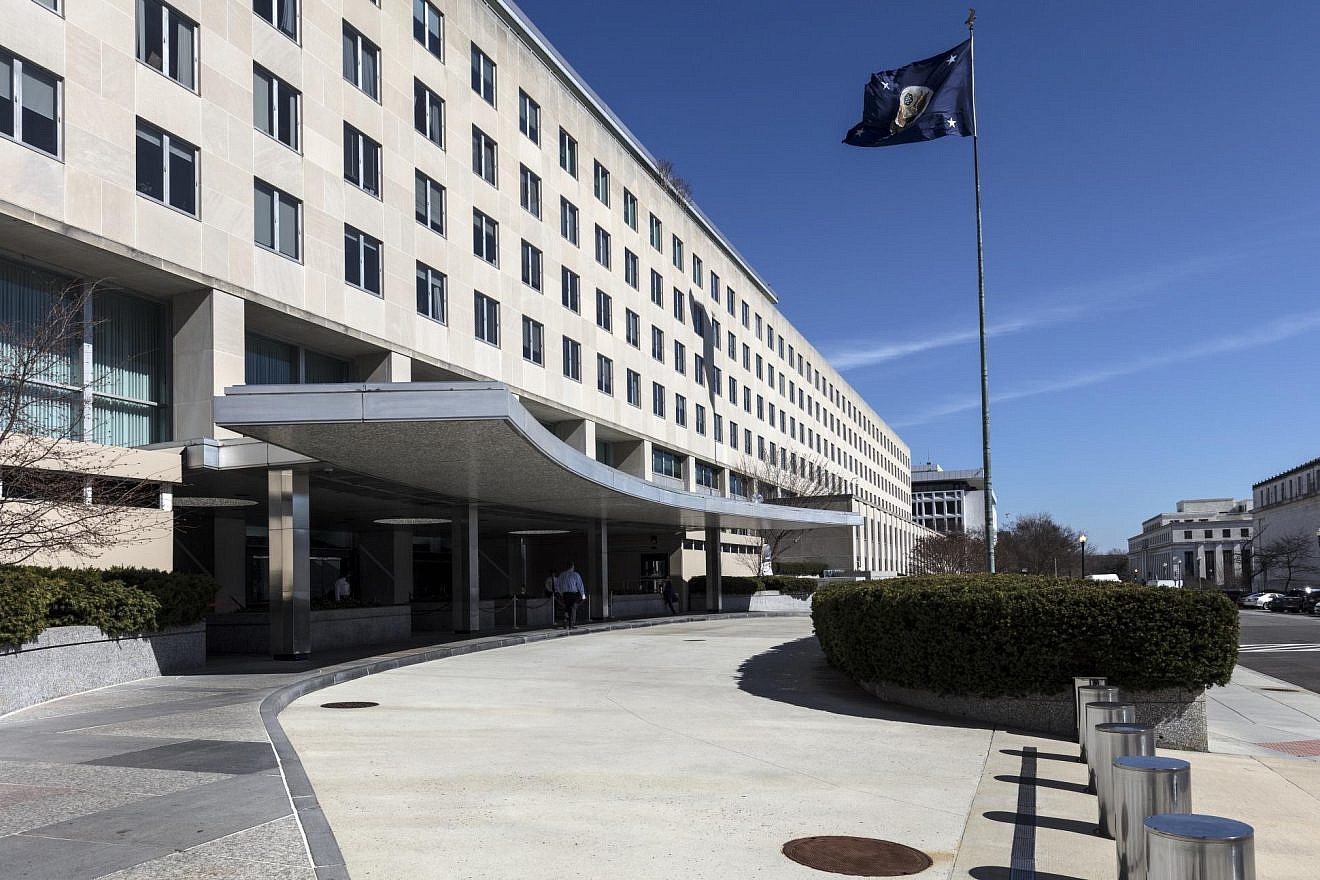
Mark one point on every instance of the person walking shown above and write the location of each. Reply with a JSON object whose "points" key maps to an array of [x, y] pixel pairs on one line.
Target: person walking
{"points": [[571, 591], [671, 597]]}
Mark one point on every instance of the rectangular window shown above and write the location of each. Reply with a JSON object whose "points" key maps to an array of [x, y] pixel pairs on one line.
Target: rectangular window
{"points": [[707, 476], [568, 152], [432, 293], [570, 290], [630, 269], [430, 198], [699, 369], [529, 117], [714, 287], [634, 388], [658, 399], [483, 75], [361, 62], [275, 107], [167, 41], [568, 220], [572, 359], [746, 310], [529, 191], [166, 168], [698, 274], [429, 27], [729, 301], [657, 233], [701, 420], [531, 266], [680, 358], [30, 105], [361, 160], [732, 348], [657, 289], [719, 428], [484, 156], [676, 245], [602, 247], [658, 344], [429, 113], [632, 328], [678, 305], [630, 209], [362, 260], [485, 238], [486, 312], [282, 14], [278, 221], [604, 311], [680, 410], [604, 375], [533, 341], [600, 177]]}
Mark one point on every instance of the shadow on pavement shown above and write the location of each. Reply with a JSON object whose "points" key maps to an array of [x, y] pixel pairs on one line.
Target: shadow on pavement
{"points": [[1046, 756], [1000, 873], [1077, 826], [1042, 782], [796, 673]]}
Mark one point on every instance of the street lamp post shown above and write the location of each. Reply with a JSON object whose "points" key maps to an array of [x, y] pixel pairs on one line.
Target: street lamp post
{"points": [[1081, 539]]}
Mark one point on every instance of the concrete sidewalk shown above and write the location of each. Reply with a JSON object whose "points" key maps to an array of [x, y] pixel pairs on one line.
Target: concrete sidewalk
{"points": [[1263, 716]]}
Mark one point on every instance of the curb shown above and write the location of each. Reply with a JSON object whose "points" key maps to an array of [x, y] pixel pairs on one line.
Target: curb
{"points": [[327, 859]]}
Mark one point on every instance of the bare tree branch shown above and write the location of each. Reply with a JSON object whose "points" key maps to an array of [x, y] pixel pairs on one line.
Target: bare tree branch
{"points": [[802, 477]]}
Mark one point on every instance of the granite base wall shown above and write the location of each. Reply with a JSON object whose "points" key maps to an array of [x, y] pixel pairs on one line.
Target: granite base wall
{"points": [[248, 632], [773, 600], [71, 659], [1177, 715]]}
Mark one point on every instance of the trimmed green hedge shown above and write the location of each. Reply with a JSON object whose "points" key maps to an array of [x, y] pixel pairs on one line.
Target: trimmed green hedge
{"points": [[1011, 635], [745, 586], [118, 600], [814, 567]]}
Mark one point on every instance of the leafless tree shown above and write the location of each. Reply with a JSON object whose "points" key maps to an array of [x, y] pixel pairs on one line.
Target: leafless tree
{"points": [[1291, 556], [950, 553], [678, 186], [58, 494], [1036, 544], [802, 478]]}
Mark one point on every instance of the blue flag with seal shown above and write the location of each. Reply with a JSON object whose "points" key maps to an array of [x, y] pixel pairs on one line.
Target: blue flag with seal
{"points": [[922, 101]]}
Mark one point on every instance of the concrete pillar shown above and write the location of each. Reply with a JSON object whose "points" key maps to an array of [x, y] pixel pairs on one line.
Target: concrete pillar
{"points": [[579, 434], [725, 487], [690, 473], [634, 458], [403, 566], [290, 564], [208, 353], [230, 565], [386, 366], [714, 585], [598, 568], [467, 571]]}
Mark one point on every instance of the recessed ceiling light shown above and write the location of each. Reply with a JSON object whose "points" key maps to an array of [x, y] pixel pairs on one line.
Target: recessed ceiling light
{"points": [[203, 501], [411, 521], [539, 532]]}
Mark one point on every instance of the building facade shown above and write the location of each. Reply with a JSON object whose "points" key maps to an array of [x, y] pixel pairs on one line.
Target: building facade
{"points": [[950, 501], [1287, 527], [1204, 541], [304, 195]]}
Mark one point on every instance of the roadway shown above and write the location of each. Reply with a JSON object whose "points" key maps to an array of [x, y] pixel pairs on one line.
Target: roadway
{"points": [[1286, 646]]}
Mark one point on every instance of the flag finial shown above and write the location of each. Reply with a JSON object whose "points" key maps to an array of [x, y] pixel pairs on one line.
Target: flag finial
{"points": [[971, 19]]}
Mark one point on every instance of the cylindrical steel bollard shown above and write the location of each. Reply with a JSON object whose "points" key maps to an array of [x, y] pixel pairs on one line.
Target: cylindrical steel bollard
{"points": [[1080, 682], [1190, 846], [1091, 693], [1113, 741], [1103, 712], [1145, 786]]}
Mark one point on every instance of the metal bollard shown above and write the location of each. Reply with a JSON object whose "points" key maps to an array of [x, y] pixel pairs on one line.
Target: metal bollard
{"points": [[1091, 693], [1190, 846], [1103, 712], [1080, 682], [1145, 786], [1113, 741]]}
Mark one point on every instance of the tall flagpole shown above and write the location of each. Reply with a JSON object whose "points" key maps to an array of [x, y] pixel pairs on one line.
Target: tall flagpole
{"points": [[980, 299]]}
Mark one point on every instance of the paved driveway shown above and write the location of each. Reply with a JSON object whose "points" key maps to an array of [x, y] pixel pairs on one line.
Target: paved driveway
{"points": [[693, 750]]}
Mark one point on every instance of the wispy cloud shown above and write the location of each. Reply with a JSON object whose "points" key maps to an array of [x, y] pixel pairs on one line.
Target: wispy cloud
{"points": [[1275, 331]]}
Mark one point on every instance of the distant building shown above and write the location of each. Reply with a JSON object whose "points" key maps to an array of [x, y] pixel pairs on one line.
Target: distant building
{"points": [[950, 501], [1287, 505], [1206, 538]]}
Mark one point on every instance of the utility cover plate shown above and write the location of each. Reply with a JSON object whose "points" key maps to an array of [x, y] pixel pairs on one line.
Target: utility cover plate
{"points": [[349, 704], [857, 856]]}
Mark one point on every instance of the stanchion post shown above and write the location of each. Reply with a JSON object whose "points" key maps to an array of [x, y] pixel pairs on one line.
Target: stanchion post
{"points": [[1145, 786], [1191, 846], [1079, 704], [1103, 712], [1113, 741]]}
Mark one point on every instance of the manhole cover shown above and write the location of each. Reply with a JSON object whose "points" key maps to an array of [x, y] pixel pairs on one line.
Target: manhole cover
{"points": [[349, 704], [694, 640], [857, 856], [1282, 690]]}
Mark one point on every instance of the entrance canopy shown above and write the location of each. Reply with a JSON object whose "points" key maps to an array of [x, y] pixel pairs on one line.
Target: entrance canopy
{"points": [[474, 442]]}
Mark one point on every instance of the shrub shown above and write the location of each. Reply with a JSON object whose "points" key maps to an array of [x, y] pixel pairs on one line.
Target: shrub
{"points": [[1010, 635], [814, 567], [182, 599], [745, 586], [25, 597], [113, 606]]}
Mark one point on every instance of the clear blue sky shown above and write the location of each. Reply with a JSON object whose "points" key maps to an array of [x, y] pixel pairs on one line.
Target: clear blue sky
{"points": [[1152, 223]]}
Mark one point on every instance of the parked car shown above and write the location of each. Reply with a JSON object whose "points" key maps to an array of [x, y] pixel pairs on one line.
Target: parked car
{"points": [[1257, 600], [1291, 603]]}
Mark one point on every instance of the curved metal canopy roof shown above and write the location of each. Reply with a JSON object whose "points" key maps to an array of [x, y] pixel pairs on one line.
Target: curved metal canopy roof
{"points": [[475, 442]]}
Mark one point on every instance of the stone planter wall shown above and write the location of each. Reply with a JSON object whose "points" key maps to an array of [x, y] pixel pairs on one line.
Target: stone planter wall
{"points": [[1177, 715], [630, 605], [773, 600], [248, 632], [70, 659]]}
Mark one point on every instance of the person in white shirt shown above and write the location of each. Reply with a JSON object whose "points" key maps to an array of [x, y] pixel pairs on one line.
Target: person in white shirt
{"points": [[342, 588], [571, 591]]}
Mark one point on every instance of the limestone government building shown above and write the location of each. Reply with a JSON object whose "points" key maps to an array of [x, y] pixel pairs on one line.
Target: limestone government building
{"points": [[386, 288]]}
